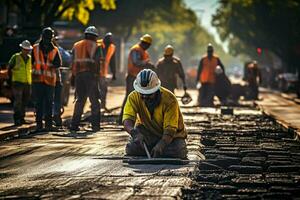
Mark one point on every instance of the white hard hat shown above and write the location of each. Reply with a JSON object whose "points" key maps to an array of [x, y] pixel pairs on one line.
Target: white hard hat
{"points": [[26, 45], [218, 70], [91, 30], [146, 82]]}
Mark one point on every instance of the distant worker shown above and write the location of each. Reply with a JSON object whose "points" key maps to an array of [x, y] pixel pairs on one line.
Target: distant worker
{"points": [[138, 59], [46, 60], [152, 116], [85, 70], [60, 81], [222, 86], [206, 76], [20, 74], [252, 76], [168, 68], [108, 49]]}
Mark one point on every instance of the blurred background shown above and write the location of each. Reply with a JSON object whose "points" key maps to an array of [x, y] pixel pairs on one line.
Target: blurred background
{"points": [[240, 30]]}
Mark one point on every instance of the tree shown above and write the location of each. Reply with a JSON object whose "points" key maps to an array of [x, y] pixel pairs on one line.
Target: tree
{"points": [[43, 13], [265, 24]]}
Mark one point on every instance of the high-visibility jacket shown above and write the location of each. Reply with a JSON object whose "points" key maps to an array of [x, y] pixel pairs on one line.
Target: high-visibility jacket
{"points": [[110, 52], [84, 56], [44, 71], [207, 74], [133, 69], [21, 72]]}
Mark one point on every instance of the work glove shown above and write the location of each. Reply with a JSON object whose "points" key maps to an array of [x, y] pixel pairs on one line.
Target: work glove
{"points": [[138, 138], [158, 149]]}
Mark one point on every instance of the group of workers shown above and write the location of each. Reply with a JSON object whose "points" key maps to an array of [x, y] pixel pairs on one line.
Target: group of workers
{"points": [[150, 112]]}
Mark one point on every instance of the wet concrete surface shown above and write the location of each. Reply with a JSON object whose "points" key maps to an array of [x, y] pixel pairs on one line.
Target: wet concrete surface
{"points": [[60, 165], [243, 156], [246, 157]]}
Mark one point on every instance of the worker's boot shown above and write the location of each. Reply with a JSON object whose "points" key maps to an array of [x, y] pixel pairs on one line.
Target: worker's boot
{"points": [[57, 119]]}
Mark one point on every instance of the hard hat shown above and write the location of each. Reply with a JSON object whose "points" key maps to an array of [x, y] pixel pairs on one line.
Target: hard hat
{"points": [[146, 82], [186, 98], [218, 70], [210, 47], [48, 33], [169, 50], [146, 38], [26, 45], [91, 30]]}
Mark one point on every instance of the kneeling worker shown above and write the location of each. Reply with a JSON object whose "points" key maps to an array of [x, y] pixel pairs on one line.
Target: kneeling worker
{"points": [[152, 116]]}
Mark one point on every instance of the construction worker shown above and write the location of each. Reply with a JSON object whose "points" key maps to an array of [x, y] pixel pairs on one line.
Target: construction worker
{"points": [[152, 116], [85, 70], [168, 68], [252, 76], [46, 60], [108, 49], [138, 59], [222, 86], [20, 74], [206, 76]]}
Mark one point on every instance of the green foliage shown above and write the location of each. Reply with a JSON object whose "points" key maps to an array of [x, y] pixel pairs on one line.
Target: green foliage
{"points": [[268, 24]]}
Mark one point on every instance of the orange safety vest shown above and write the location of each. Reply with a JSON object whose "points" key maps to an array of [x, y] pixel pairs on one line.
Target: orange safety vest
{"points": [[84, 53], [43, 71], [132, 69], [207, 74], [110, 52]]}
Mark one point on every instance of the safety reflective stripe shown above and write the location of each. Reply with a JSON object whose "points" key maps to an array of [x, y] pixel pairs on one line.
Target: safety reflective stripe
{"points": [[47, 73]]}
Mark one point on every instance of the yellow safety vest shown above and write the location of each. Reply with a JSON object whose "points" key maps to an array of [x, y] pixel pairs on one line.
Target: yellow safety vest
{"points": [[22, 71]]}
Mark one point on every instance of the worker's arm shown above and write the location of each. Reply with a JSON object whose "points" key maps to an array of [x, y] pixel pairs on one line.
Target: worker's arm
{"points": [[181, 74], [171, 116], [129, 113], [137, 59], [200, 66], [57, 60], [11, 65], [112, 65], [221, 65]]}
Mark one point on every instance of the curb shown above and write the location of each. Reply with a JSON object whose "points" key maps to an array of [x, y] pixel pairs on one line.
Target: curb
{"points": [[285, 125]]}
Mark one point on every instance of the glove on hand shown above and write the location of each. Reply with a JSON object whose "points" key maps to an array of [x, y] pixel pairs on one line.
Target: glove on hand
{"points": [[138, 138], [158, 149]]}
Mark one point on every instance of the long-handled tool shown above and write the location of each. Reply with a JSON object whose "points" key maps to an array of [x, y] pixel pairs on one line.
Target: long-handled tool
{"points": [[156, 161]]}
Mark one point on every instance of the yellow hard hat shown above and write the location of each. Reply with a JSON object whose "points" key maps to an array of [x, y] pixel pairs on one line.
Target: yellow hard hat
{"points": [[169, 50], [146, 38]]}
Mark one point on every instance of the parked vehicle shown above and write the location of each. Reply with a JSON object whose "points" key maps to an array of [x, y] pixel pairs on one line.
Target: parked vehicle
{"points": [[287, 82]]}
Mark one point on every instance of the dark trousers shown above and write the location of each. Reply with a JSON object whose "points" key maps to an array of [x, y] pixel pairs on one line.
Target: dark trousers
{"points": [[206, 95], [86, 85], [57, 99], [44, 96], [129, 88], [103, 91], [253, 91], [21, 94], [176, 149]]}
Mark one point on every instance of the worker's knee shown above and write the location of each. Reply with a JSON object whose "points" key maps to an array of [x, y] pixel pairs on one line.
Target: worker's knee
{"points": [[176, 149]]}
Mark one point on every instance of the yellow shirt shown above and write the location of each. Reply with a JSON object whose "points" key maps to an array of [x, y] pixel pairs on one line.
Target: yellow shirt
{"points": [[167, 117]]}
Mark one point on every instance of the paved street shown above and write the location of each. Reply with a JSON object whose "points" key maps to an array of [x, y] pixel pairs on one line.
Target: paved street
{"points": [[58, 165]]}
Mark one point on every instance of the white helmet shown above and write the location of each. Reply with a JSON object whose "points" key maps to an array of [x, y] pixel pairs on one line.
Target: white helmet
{"points": [[91, 30], [146, 82], [218, 70], [26, 45]]}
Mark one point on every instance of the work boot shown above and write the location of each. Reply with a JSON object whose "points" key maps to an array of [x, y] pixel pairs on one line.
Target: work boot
{"points": [[39, 126], [57, 119], [18, 122]]}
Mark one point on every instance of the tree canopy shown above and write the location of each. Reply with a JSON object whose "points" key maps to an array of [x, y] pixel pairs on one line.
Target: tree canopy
{"points": [[266, 24], [44, 13]]}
